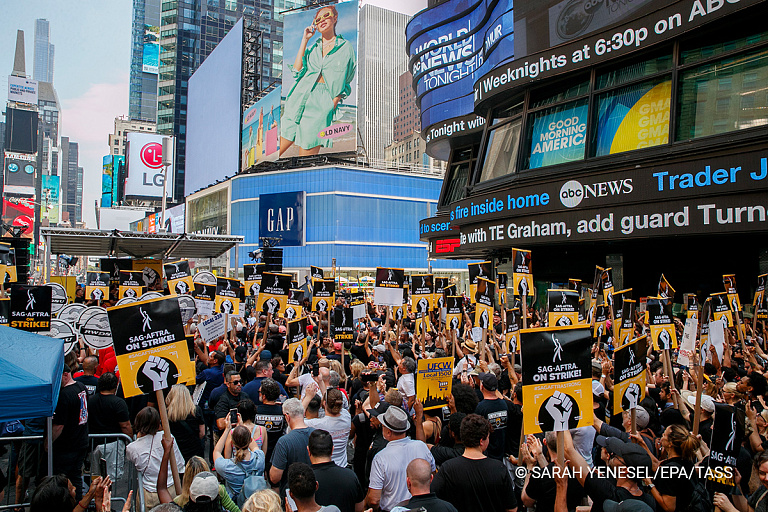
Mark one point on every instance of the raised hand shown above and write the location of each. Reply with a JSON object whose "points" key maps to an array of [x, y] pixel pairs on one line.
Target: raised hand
{"points": [[560, 406], [156, 369]]}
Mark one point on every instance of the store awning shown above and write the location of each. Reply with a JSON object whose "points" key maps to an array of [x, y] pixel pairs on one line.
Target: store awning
{"points": [[94, 242]]}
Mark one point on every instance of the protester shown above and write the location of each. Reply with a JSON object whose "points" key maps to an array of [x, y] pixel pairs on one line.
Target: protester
{"points": [[263, 501], [474, 481], [87, 376], [418, 478], [230, 399], [146, 452], [235, 461], [337, 422], [336, 485], [108, 413], [269, 414], [291, 447], [186, 421], [263, 371], [247, 411], [70, 430]]}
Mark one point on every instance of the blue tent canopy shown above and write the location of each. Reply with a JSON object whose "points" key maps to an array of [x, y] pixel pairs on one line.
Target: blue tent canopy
{"points": [[30, 374]]}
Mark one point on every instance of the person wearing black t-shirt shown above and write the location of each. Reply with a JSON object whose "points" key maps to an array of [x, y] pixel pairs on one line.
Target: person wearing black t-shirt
{"points": [[361, 349], [107, 412], [623, 456], [87, 377], [335, 485], [70, 430], [495, 410], [269, 414], [474, 481], [540, 489]]}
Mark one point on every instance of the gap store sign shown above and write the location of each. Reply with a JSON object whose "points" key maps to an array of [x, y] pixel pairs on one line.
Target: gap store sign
{"points": [[282, 216]]}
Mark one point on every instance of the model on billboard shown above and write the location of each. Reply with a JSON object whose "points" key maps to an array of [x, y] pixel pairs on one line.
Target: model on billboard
{"points": [[323, 72]]}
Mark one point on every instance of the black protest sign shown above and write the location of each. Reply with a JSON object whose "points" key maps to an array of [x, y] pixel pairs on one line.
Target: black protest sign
{"points": [[273, 296], [227, 298], [484, 302], [501, 279], [607, 285], [618, 301], [316, 272], [724, 447], [665, 289], [597, 282], [522, 272], [97, 285], [627, 328], [601, 321], [629, 369], [179, 277], [131, 284], [449, 290], [113, 266], [252, 275], [293, 305], [204, 295], [557, 378], [512, 336], [388, 286], [343, 325], [11, 276], [297, 340], [31, 307], [562, 307], [477, 271], [721, 309], [759, 299], [423, 292], [659, 319], [323, 294], [574, 284], [453, 311], [691, 305], [150, 345]]}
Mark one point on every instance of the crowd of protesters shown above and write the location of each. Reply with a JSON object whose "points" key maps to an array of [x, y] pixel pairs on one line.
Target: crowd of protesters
{"points": [[341, 428]]}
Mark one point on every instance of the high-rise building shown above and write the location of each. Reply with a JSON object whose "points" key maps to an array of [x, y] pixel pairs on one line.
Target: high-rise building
{"points": [[42, 70], [49, 113], [189, 32], [145, 35], [407, 120], [123, 125], [71, 182], [382, 60]]}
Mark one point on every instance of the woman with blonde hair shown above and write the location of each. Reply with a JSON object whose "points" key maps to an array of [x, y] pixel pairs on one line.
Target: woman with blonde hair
{"points": [[336, 367], [731, 393], [263, 501], [186, 421]]}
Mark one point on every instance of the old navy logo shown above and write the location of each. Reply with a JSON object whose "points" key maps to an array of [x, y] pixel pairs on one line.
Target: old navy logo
{"points": [[147, 320]]}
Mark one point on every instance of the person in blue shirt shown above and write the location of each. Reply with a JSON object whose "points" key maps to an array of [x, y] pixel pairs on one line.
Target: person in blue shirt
{"points": [[213, 376], [263, 371]]}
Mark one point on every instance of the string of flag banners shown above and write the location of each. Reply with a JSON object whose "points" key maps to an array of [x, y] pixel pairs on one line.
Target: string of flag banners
{"points": [[146, 327]]}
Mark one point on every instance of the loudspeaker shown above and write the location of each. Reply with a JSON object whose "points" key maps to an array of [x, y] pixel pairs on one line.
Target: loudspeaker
{"points": [[273, 259], [21, 246]]}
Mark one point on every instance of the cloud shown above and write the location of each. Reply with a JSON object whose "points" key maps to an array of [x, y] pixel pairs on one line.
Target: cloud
{"points": [[88, 120]]}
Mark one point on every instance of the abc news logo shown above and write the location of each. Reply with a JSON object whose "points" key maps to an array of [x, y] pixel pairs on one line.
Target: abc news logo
{"points": [[572, 193]]}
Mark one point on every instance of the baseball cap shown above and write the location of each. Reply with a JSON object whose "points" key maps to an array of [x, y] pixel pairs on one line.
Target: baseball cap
{"points": [[630, 505], [66, 369], [265, 355], [707, 403], [241, 353], [395, 419], [642, 417], [205, 485], [379, 348], [489, 380], [380, 408], [632, 454], [597, 388]]}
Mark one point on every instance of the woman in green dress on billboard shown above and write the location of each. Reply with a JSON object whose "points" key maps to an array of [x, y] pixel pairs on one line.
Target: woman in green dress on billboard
{"points": [[324, 72]]}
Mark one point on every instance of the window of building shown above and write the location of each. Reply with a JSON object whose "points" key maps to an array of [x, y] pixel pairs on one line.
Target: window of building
{"points": [[501, 150], [556, 135], [457, 176], [705, 92]]}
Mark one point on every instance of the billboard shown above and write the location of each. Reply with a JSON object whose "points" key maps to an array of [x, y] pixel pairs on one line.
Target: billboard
{"points": [[49, 199], [319, 117], [174, 219], [282, 215], [21, 130], [118, 174], [261, 131], [22, 90], [144, 173], [20, 212], [19, 174], [106, 181], [150, 62], [208, 214]]}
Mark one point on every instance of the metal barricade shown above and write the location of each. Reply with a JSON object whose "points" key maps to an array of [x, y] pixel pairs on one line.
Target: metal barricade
{"points": [[15, 446], [125, 477]]}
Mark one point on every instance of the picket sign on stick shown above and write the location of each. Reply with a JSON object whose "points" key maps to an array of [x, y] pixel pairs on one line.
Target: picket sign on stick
{"points": [[633, 417], [671, 376], [699, 385], [167, 435], [525, 311], [561, 449]]}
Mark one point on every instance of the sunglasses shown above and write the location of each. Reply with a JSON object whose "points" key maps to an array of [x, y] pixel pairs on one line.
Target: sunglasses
{"points": [[236, 382], [324, 17]]}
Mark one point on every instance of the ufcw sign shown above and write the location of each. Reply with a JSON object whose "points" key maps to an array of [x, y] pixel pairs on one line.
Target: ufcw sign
{"points": [[282, 216]]}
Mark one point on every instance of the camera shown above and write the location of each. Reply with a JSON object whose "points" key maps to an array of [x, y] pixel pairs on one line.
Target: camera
{"points": [[370, 377]]}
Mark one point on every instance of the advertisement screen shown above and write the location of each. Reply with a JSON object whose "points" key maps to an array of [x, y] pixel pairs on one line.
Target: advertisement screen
{"points": [[49, 208], [282, 216], [19, 211], [151, 57], [261, 131], [558, 136], [144, 174], [106, 182], [19, 174], [21, 130], [174, 219], [633, 118], [208, 214], [118, 172], [319, 117], [22, 90]]}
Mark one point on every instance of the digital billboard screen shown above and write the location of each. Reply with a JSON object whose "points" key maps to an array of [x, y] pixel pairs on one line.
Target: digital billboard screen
{"points": [[106, 182], [21, 130], [261, 131], [49, 208], [320, 116], [151, 57]]}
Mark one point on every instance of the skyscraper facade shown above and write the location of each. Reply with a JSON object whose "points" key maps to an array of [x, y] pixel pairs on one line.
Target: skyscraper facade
{"points": [[382, 60], [71, 182], [145, 34], [42, 69]]}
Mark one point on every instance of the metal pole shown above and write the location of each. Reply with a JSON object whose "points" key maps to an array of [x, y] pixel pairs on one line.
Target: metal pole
{"points": [[47, 256], [162, 214], [49, 421], [167, 160]]}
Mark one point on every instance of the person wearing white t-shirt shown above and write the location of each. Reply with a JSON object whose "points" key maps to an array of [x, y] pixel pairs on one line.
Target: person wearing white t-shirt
{"points": [[337, 422], [468, 361], [406, 384]]}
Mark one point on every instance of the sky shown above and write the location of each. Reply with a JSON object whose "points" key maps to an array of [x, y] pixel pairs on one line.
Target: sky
{"points": [[92, 40]]}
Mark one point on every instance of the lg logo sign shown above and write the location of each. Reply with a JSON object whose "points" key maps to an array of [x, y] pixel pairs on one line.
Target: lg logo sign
{"points": [[152, 155]]}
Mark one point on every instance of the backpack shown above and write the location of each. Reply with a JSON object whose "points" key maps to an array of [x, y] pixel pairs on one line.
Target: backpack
{"points": [[700, 498], [254, 481]]}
